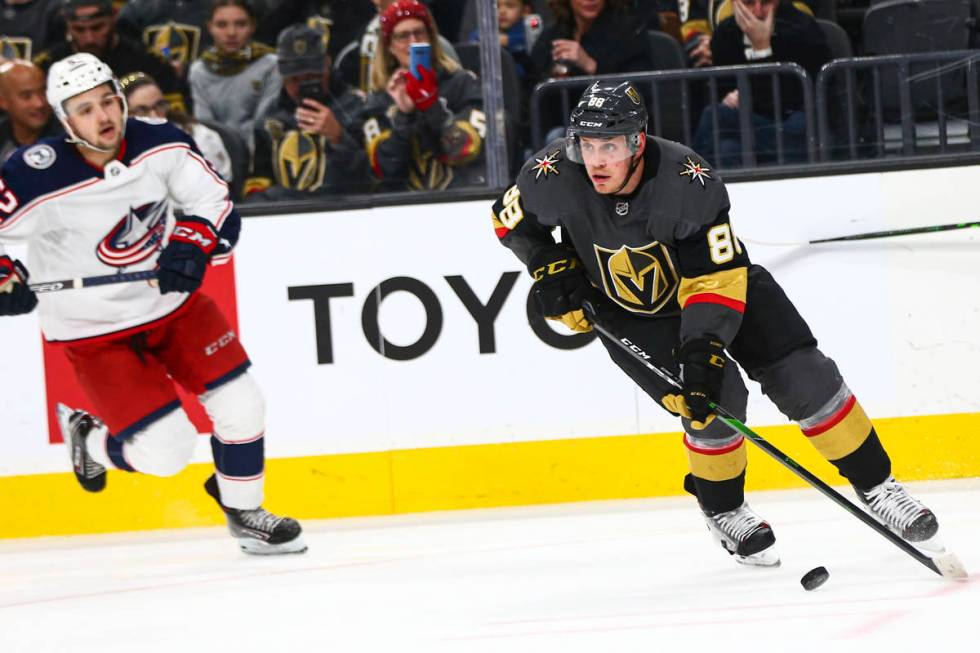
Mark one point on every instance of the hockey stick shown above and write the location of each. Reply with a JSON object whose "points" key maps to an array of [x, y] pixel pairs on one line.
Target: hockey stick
{"points": [[945, 564], [87, 282], [872, 234]]}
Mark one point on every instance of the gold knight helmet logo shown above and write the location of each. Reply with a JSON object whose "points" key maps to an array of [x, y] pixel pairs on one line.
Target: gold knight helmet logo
{"points": [[640, 279], [298, 157], [174, 41]]}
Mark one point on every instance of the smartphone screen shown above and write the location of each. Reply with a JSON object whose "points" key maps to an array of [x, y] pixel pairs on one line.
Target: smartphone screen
{"points": [[419, 55]]}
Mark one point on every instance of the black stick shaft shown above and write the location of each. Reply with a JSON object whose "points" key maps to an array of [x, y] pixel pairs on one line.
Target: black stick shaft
{"points": [[735, 424], [86, 282], [897, 232]]}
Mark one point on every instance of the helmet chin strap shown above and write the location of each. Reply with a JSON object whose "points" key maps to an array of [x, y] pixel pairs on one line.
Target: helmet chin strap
{"points": [[634, 162], [72, 138]]}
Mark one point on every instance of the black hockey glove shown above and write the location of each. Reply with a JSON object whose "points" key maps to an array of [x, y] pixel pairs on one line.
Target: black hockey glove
{"points": [[16, 297], [184, 260], [702, 363], [560, 285]]}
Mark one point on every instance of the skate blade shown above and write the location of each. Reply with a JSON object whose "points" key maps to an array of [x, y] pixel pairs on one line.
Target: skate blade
{"points": [[765, 558], [252, 546], [933, 546]]}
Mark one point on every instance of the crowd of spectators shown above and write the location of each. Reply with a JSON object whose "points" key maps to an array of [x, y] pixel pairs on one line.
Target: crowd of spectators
{"points": [[292, 99]]}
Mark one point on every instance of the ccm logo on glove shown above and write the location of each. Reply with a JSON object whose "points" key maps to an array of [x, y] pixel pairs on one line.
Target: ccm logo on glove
{"points": [[196, 233]]}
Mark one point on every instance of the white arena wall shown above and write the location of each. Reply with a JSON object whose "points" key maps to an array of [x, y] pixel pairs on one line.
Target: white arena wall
{"points": [[450, 411]]}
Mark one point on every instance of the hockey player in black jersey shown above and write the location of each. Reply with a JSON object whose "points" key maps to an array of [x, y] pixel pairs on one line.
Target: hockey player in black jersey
{"points": [[645, 228]]}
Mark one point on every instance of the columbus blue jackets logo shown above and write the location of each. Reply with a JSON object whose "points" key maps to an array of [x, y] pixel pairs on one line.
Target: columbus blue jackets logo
{"points": [[640, 279], [136, 237]]}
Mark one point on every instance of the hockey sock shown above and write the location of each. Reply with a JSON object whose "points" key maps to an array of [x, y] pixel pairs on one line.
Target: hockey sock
{"points": [[717, 475], [844, 435], [867, 466], [240, 466]]}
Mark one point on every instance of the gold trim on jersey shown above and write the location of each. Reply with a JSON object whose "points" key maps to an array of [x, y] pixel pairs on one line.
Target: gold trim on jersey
{"points": [[732, 284], [640, 279]]}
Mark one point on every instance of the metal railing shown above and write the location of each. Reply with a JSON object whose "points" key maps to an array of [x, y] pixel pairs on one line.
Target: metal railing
{"points": [[654, 86], [909, 91]]}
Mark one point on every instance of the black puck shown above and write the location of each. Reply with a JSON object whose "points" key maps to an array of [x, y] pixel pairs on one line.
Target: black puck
{"points": [[814, 578]]}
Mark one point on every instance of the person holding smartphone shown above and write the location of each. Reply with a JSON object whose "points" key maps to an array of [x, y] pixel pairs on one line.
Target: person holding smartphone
{"points": [[309, 141], [424, 125]]}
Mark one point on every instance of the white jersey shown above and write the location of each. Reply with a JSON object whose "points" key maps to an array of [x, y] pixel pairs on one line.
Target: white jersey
{"points": [[80, 221]]}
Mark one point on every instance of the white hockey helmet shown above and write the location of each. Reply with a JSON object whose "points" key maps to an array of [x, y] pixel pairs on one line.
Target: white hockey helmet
{"points": [[76, 74]]}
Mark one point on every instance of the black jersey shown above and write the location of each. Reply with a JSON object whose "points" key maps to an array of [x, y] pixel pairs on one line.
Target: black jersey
{"points": [[665, 249]]}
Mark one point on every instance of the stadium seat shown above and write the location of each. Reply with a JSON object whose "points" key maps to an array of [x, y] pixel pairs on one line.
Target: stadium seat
{"points": [[909, 26], [837, 39]]}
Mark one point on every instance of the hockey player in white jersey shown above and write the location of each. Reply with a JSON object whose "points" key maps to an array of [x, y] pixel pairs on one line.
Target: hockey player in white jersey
{"points": [[101, 201]]}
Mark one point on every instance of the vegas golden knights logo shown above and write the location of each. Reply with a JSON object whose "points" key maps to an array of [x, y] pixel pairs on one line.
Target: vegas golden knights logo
{"points": [[174, 41], [15, 47], [298, 157], [640, 279], [427, 172]]}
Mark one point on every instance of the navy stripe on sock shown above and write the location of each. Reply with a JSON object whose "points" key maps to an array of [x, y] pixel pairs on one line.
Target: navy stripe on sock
{"points": [[225, 378], [243, 460], [114, 447]]}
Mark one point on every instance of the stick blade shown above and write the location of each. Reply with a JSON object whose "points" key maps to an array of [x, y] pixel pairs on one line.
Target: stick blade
{"points": [[949, 566]]}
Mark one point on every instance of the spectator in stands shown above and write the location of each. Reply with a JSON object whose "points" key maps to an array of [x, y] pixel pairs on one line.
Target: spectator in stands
{"points": [[29, 26], [174, 30], [29, 117], [762, 31], [235, 80], [588, 39], [696, 28], [343, 20], [422, 134], [145, 100], [356, 70], [698, 21], [513, 32], [309, 142], [92, 28]]}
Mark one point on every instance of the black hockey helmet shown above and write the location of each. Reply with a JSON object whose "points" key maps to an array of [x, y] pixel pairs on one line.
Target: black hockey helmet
{"points": [[607, 109]]}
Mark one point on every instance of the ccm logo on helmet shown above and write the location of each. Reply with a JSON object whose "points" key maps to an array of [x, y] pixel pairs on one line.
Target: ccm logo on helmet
{"points": [[590, 124]]}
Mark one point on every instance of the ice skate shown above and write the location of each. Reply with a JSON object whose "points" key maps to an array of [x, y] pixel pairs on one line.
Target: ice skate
{"points": [[75, 426], [744, 535], [258, 531], [892, 505]]}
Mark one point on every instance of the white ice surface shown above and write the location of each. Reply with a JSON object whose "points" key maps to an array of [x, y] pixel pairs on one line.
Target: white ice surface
{"points": [[639, 575]]}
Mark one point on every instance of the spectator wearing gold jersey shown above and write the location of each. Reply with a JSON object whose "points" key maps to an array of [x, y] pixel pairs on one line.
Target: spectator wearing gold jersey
{"points": [[309, 142], [235, 80], [422, 133]]}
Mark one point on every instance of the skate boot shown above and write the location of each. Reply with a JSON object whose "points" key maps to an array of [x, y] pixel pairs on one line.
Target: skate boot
{"points": [[892, 505], [744, 535], [75, 426], [258, 531]]}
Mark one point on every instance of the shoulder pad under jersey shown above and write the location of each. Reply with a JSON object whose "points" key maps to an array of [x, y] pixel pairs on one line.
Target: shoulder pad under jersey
{"points": [[550, 184], [687, 188]]}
